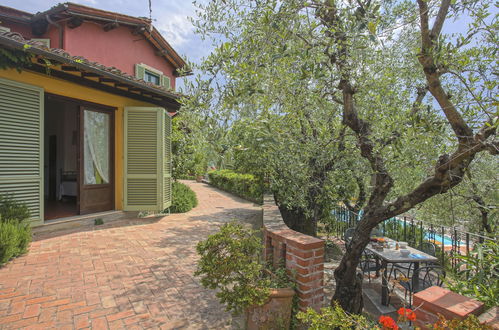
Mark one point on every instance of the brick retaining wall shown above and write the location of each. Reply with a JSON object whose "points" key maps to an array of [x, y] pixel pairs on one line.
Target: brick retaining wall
{"points": [[303, 255], [436, 300]]}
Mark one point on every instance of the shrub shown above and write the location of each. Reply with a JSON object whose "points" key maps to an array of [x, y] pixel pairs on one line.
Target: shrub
{"points": [[24, 237], [8, 241], [478, 274], [15, 230], [244, 185], [11, 210], [334, 318], [183, 198], [230, 263]]}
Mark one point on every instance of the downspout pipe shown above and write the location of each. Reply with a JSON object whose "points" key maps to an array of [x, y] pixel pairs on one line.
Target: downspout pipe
{"points": [[59, 27]]}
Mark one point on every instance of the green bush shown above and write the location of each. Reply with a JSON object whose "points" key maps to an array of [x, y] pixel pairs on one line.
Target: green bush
{"points": [[9, 235], [244, 185], [334, 318], [11, 210], [183, 198], [478, 274], [230, 264], [15, 230]]}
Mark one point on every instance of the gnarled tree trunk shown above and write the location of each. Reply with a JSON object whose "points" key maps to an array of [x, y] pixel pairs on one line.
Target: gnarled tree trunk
{"points": [[348, 293]]}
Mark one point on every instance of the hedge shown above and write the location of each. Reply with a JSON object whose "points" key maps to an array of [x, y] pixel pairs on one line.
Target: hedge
{"points": [[243, 185], [183, 198]]}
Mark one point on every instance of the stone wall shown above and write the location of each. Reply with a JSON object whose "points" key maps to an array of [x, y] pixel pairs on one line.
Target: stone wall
{"points": [[303, 255]]}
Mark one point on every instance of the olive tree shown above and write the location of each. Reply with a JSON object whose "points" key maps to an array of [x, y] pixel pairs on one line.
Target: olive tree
{"points": [[418, 104]]}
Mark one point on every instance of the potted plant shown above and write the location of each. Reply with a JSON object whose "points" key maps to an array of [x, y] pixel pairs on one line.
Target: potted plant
{"points": [[231, 264]]}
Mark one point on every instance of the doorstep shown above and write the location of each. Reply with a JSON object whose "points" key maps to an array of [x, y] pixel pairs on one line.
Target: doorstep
{"points": [[82, 220]]}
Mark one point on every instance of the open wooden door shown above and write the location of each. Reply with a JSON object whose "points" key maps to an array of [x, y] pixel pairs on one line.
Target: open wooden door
{"points": [[96, 178]]}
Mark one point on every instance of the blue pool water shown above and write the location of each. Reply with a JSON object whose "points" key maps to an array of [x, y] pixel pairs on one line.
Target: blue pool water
{"points": [[447, 240]]}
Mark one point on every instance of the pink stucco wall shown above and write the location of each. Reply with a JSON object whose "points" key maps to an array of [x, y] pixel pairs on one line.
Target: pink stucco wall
{"points": [[53, 34], [22, 29], [25, 30], [118, 48]]}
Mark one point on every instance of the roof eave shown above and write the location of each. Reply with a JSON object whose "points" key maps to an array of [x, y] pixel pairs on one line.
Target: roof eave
{"points": [[97, 14], [15, 44]]}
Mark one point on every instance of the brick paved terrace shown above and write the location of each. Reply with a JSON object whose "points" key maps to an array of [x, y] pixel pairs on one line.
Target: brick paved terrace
{"points": [[133, 274]]}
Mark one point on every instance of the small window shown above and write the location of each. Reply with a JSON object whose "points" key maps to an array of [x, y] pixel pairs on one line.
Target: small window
{"points": [[152, 78]]}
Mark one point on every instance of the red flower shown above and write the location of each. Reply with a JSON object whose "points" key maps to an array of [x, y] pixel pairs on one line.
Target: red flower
{"points": [[407, 313], [388, 323]]}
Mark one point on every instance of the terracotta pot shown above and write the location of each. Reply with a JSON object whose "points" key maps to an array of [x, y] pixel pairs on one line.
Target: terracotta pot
{"points": [[274, 314]]}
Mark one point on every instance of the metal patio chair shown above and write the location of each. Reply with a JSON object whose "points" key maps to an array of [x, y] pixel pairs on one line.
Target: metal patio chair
{"points": [[368, 263], [422, 278]]}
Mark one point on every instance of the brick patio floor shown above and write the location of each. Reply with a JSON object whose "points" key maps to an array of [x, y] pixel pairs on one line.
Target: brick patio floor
{"points": [[133, 274]]}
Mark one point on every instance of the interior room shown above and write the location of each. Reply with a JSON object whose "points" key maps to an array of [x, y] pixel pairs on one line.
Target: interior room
{"points": [[61, 141]]}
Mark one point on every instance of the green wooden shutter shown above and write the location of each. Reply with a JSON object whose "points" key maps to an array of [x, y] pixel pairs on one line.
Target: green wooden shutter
{"points": [[167, 168], [145, 147], [165, 81], [140, 71], [21, 143]]}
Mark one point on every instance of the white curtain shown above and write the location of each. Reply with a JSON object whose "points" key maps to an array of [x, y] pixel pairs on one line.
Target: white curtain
{"points": [[96, 147]]}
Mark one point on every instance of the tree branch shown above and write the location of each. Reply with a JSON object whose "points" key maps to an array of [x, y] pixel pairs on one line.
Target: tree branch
{"points": [[383, 181], [461, 129], [439, 21], [421, 93]]}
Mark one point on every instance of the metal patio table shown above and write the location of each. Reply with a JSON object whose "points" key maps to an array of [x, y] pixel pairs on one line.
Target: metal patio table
{"points": [[392, 256]]}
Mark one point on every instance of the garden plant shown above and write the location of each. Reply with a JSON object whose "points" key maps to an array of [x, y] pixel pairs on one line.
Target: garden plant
{"points": [[231, 264], [15, 230], [183, 198]]}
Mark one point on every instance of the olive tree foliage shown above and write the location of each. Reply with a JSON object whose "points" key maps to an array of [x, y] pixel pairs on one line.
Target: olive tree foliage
{"points": [[277, 124], [188, 144], [473, 205], [416, 104], [302, 156]]}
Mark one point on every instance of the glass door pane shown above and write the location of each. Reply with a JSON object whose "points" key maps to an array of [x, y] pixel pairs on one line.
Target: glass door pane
{"points": [[96, 147]]}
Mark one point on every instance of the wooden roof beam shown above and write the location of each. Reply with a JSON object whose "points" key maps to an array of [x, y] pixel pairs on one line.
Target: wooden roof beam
{"points": [[89, 74], [139, 30], [110, 26], [75, 22], [69, 68], [107, 80]]}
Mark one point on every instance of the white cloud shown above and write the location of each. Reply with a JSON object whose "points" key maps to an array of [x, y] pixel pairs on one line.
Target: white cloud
{"points": [[176, 28]]}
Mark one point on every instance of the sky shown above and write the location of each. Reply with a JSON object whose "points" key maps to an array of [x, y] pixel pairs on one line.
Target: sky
{"points": [[170, 17]]}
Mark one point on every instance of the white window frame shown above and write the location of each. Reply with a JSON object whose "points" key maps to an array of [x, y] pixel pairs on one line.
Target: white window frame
{"points": [[153, 70], [158, 72], [154, 74]]}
